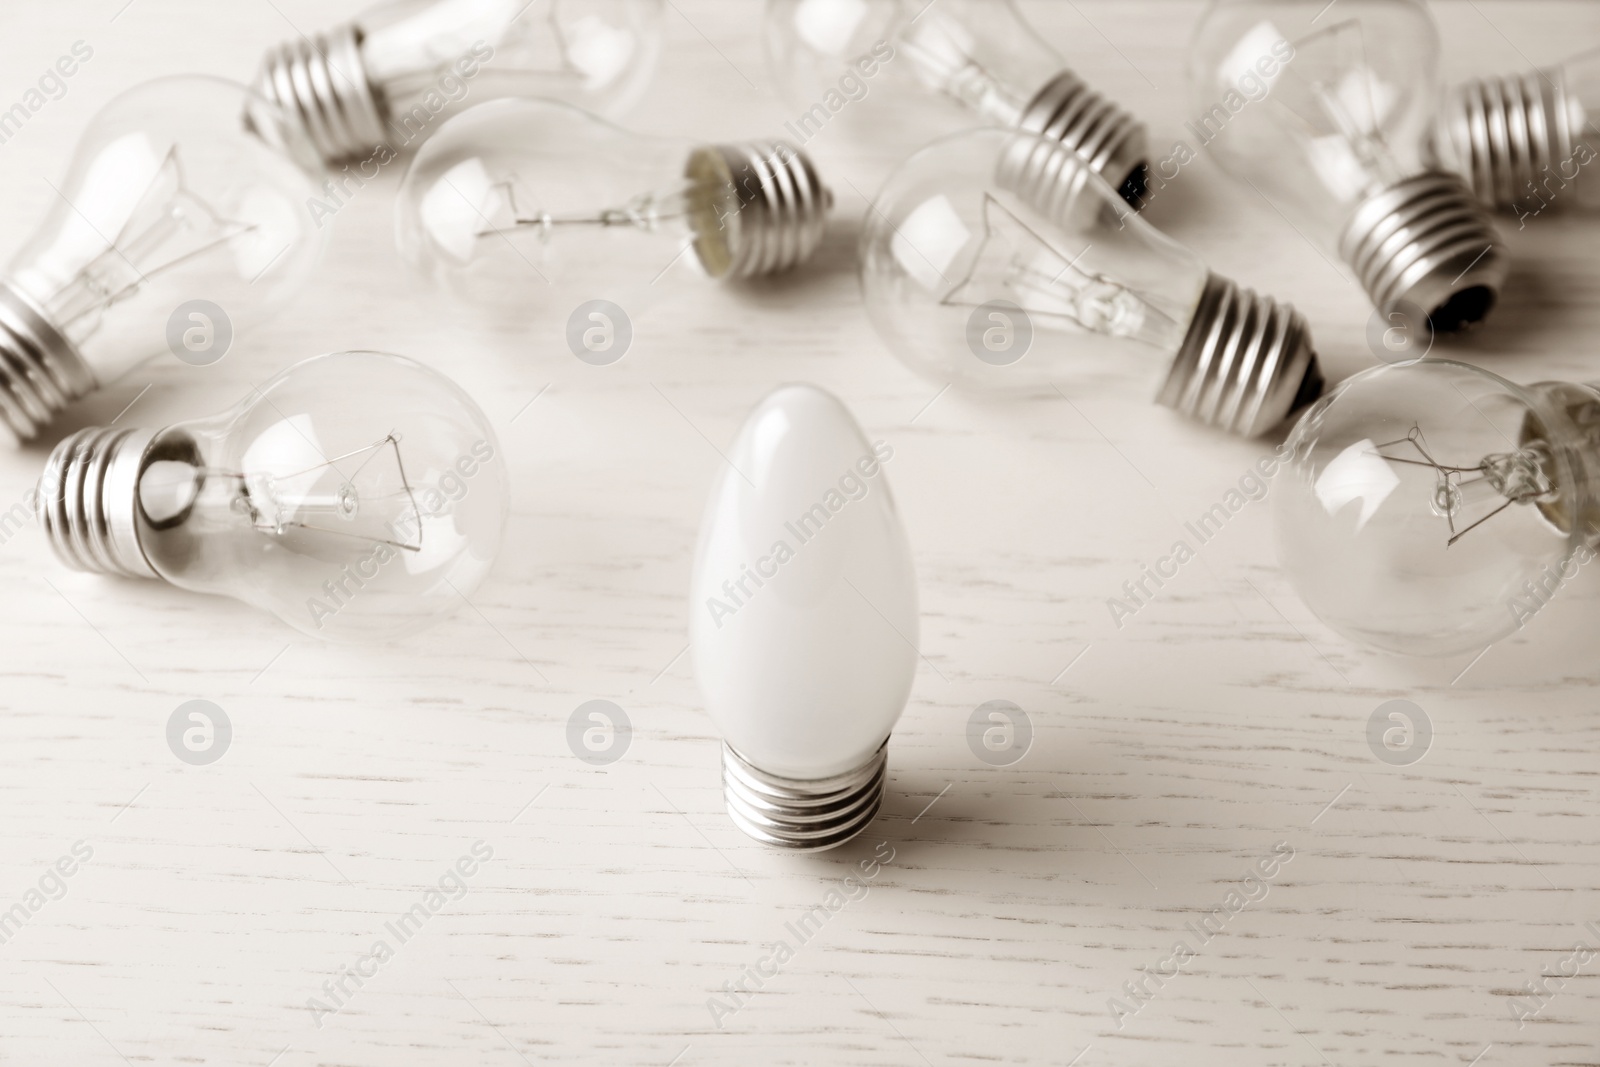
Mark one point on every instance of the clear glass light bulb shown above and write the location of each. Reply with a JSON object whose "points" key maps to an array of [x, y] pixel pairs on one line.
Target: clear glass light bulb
{"points": [[1525, 142], [181, 189], [384, 78], [1431, 508], [358, 496], [998, 259], [1323, 109], [898, 56], [803, 618], [515, 194]]}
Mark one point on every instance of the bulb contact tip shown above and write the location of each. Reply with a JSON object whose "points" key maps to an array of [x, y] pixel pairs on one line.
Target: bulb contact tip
{"points": [[1507, 137], [1425, 242], [87, 499], [1109, 139], [798, 814], [320, 87], [1246, 363], [40, 370], [772, 214]]}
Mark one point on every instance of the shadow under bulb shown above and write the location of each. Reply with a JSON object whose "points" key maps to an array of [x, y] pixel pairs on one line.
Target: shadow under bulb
{"points": [[1431, 508], [803, 617], [998, 259], [358, 496]]}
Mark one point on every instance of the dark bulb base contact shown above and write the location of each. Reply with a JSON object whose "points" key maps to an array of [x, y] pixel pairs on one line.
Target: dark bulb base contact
{"points": [[40, 371], [1425, 243], [88, 494], [1109, 139], [803, 815], [1245, 364]]}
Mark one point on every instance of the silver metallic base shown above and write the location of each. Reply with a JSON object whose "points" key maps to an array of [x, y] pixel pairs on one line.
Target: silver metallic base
{"points": [[803, 816], [780, 214], [40, 371], [1425, 242], [1503, 135], [320, 85], [87, 496], [1246, 363], [1107, 137]]}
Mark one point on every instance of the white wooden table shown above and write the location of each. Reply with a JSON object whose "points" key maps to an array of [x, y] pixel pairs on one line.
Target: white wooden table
{"points": [[1169, 755]]}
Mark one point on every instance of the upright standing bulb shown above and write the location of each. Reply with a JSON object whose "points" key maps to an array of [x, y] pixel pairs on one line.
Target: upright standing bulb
{"points": [[181, 189], [1324, 108], [803, 617], [999, 259], [357, 496], [979, 54], [517, 193], [383, 78], [1430, 508], [1525, 142]]}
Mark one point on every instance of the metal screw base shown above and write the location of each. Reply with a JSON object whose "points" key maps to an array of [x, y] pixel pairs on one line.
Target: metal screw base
{"points": [[1503, 135], [780, 208], [87, 497], [40, 371], [320, 85], [1246, 363], [1425, 242], [803, 816], [1107, 137]]}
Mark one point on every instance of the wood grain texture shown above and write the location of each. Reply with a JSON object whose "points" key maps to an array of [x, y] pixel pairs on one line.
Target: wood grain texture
{"points": [[1170, 754]]}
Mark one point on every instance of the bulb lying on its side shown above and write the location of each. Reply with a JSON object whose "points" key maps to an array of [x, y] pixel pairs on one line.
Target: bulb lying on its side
{"points": [[803, 617], [358, 496]]}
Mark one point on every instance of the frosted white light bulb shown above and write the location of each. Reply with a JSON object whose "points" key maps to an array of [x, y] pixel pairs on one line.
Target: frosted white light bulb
{"points": [[384, 78], [514, 194], [1324, 109], [1528, 141], [1000, 260], [181, 189], [1431, 508], [358, 496], [891, 58], [803, 618]]}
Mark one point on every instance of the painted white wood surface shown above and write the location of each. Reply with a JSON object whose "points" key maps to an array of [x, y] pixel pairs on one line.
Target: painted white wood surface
{"points": [[1170, 755]]}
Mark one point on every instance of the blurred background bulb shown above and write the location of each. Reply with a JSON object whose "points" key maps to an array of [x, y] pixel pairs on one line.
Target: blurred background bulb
{"points": [[1525, 142], [358, 496], [384, 78], [1000, 260], [905, 60], [803, 618], [515, 195], [1323, 109], [181, 189], [1431, 508]]}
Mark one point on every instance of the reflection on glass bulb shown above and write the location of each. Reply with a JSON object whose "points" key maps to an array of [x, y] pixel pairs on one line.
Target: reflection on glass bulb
{"points": [[895, 56], [1525, 142], [999, 259], [173, 196], [1324, 108], [516, 194], [358, 496], [1426, 505], [803, 618], [386, 77]]}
